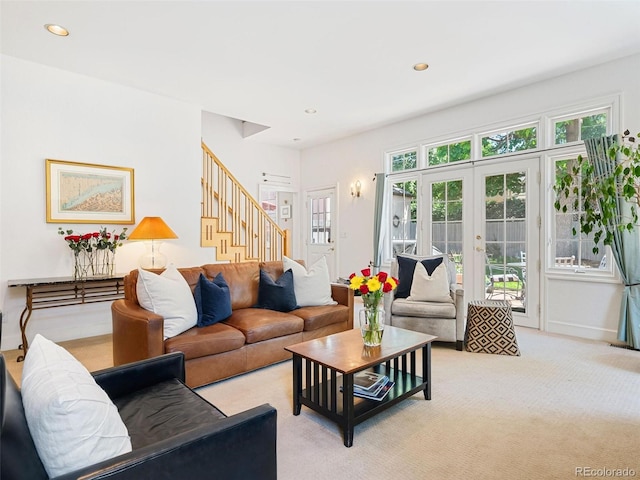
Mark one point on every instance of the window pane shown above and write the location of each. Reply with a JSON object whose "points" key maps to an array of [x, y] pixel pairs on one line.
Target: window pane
{"points": [[594, 126], [404, 216], [404, 161], [567, 131], [524, 139], [510, 141], [495, 144], [460, 151], [438, 155], [446, 216], [572, 248], [581, 128]]}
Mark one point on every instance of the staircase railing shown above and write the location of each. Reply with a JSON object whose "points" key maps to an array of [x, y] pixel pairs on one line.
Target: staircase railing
{"points": [[233, 221]]}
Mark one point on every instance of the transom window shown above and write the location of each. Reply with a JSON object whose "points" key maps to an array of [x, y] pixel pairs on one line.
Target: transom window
{"points": [[509, 141], [580, 127], [450, 152], [404, 160]]}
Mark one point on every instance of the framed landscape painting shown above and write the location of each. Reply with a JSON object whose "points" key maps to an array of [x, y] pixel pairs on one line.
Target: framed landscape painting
{"points": [[86, 193]]}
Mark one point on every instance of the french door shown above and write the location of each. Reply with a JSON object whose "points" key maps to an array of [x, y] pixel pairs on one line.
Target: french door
{"points": [[486, 218]]}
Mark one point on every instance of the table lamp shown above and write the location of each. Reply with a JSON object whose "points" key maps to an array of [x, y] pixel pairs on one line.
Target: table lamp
{"points": [[152, 230]]}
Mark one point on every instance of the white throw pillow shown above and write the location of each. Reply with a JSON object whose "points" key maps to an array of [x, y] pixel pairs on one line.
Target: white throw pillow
{"points": [[312, 287], [169, 296], [430, 288], [72, 421]]}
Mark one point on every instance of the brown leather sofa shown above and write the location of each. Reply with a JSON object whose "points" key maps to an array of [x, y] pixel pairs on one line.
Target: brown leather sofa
{"points": [[251, 338]]}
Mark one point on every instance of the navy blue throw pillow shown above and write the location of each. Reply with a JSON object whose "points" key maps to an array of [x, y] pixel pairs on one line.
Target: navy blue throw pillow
{"points": [[406, 268], [277, 295], [213, 300]]}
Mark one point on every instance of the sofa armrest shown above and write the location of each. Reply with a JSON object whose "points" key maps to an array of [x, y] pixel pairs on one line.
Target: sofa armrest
{"points": [[137, 333], [457, 294], [235, 448], [124, 379], [342, 294]]}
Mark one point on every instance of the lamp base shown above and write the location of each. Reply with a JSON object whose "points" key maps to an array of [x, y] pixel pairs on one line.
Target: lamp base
{"points": [[153, 258]]}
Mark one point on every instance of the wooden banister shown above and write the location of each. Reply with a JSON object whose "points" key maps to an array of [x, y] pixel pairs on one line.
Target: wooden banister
{"points": [[233, 221]]}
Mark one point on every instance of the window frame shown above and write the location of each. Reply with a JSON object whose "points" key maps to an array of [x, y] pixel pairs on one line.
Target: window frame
{"points": [[400, 177], [509, 128], [402, 151], [550, 267], [579, 115], [425, 147]]}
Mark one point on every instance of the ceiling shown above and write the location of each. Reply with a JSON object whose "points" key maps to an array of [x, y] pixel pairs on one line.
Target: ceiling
{"points": [[266, 62]]}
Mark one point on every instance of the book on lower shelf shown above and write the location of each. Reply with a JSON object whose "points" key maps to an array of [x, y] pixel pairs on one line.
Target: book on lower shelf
{"points": [[368, 380], [380, 394], [376, 391]]}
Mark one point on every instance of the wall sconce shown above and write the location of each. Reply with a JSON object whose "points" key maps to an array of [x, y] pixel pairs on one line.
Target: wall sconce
{"points": [[356, 189], [152, 230]]}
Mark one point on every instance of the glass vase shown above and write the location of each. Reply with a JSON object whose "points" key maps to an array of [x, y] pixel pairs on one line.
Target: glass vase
{"points": [[82, 265], [372, 325], [105, 262]]}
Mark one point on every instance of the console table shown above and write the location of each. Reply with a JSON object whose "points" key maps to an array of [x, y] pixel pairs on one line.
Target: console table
{"points": [[62, 292]]}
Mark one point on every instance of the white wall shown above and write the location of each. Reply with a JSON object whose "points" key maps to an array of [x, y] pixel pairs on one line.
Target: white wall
{"points": [[566, 308], [247, 158], [49, 113]]}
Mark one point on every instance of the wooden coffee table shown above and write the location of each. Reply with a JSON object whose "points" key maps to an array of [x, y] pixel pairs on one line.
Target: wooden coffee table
{"points": [[317, 385]]}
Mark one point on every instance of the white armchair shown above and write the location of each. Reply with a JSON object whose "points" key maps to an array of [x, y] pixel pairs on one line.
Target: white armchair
{"points": [[443, 319]]}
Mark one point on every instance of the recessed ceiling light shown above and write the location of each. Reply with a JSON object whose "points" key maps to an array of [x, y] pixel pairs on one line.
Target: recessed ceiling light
{"points": [[419, 67], [310, 111], [297, 139], [57, 30]]}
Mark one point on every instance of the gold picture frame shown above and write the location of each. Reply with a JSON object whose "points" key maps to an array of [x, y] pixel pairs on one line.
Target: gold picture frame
{"points": [[88, 193]]}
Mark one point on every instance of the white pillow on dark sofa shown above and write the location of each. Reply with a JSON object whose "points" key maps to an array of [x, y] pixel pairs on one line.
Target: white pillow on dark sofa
{"points": [[72, 421]]}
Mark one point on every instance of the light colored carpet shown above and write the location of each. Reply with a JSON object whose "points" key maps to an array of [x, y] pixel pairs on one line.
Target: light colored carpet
{"points": [[565, 404]]}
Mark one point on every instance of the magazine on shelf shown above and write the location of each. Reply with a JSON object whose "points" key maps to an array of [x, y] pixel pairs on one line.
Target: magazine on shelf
{"points": [[373, 391], [380, 394], [368, 380], [376, 388]]}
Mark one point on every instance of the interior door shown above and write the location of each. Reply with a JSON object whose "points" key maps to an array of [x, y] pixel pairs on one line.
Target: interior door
{"points": [[507, 236], [321, 228]]}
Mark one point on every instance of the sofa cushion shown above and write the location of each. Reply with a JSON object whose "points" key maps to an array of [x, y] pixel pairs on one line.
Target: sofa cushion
{"points": [[204, 341], [163, 411], [312, 285], [213, 302], [321, 316], [258, 324], [243, 279], [430, 282], [402, 306], [277, 294], [169, 296], [72, 421]]}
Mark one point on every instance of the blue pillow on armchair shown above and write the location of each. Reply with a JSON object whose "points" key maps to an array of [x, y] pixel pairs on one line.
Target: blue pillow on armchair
{"points": [[213, 300], [278, 294]]}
